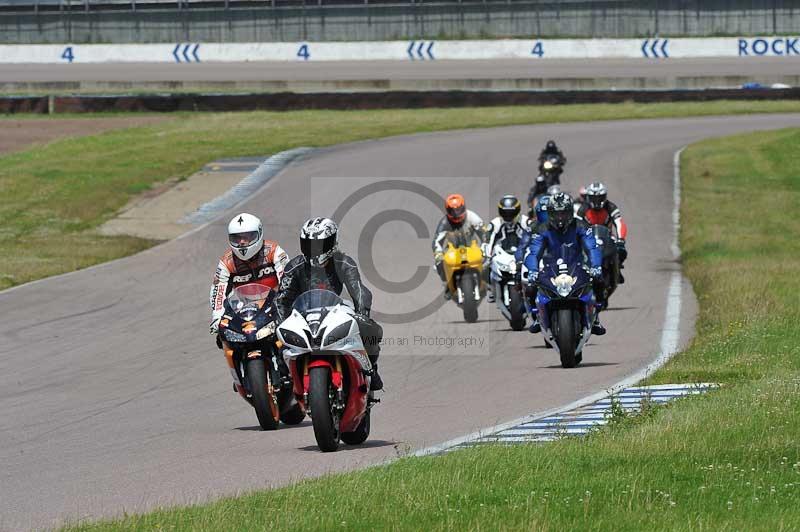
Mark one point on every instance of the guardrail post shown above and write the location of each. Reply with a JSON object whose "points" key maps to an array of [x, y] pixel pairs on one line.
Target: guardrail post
{"points": [[774, 17]]}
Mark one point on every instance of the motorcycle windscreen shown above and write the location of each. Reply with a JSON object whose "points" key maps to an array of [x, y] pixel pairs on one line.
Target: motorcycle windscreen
{"points": [[566, 260], [316, 299], [247, 294]]}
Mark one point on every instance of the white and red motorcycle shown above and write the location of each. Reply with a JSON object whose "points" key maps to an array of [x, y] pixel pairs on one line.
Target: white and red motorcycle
{"points": [[330, 368]]}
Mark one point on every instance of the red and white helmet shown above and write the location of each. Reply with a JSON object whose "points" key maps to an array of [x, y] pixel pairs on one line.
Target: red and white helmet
{"points": [[245, 236]]}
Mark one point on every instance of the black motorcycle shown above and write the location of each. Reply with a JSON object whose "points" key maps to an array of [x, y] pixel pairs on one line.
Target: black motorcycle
{"points": [[247, 332], [550, 171]]}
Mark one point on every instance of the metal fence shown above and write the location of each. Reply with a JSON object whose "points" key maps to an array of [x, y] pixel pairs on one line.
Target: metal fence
{"points": [[111, 21]]}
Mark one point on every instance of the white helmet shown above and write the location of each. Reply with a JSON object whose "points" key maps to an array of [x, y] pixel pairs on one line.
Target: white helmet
{"points": [[245, 236], [318, 240]]}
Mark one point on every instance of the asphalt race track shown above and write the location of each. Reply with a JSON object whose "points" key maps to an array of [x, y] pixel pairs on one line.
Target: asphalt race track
{"points": [[754, 67], [114, 397]]}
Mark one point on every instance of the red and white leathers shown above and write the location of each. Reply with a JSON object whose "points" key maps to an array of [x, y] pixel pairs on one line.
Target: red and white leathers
{"points": [[609, 215], [265, 268]]}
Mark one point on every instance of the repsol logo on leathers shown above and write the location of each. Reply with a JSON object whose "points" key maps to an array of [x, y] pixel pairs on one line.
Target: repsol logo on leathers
{"points": [[267, 270]]}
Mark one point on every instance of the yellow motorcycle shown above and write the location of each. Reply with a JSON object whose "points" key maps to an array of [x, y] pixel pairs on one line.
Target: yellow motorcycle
{"points": [[463, 268]]}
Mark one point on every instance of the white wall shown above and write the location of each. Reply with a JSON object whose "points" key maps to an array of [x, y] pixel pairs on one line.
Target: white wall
{"points": [[399, 50]]}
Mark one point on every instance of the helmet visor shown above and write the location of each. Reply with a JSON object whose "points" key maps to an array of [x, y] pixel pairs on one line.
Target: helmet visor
{"points": [[560, 219], [509, 215], [315, 247], [243, 240], [457, 214], [597, 201]]}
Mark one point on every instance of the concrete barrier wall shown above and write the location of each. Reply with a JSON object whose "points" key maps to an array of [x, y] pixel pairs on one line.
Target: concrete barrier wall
{"points": [[546, 19], [655, 49]]}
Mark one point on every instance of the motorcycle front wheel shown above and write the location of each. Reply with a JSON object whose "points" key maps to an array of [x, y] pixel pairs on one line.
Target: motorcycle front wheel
{"points": [[323, 416], [263, 401], [565, 337], [470, 306]]}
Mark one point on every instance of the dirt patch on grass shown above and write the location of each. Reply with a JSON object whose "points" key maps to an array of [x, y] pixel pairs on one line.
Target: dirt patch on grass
{"points": [[16, 135]]}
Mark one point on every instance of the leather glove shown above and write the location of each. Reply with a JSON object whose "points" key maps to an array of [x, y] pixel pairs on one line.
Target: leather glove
{"points": [[596, 273], [533, 275], [621, 251], [214, 327], [438, 257]]}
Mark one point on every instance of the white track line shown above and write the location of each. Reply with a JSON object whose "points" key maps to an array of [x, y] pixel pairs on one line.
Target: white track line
{"points": [[670, 338]]}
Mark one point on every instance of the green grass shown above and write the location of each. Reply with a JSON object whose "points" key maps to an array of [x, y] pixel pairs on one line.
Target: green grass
{"points": [[728, 460], [54, 196]]}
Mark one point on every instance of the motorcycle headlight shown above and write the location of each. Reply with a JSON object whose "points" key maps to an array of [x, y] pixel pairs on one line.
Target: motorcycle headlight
{"points": [[293, 338], [337, 334], [564, 284], [233, 336], [265, 331], [548, 165]]}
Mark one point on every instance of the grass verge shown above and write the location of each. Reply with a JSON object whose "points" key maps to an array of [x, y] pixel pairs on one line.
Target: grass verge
{"points": [[729, 460], [53, 196]]}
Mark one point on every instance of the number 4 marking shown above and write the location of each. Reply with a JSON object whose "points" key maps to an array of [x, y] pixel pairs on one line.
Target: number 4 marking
{"points": [[538, 50], [67, 55], [303, 52]]}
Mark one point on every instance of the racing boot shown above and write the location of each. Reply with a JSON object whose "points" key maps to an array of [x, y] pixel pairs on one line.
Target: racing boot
{"points": [[376, 383], [535, 327], [490, 294], [597, 327]]}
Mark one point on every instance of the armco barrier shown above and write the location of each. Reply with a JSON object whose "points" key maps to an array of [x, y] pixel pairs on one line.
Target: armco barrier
{"points": [[656, 49], [375, 100]]}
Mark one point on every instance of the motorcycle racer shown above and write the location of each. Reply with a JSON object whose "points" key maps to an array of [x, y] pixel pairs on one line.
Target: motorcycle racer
{"points": [[457, 218], [250, 259], [505, 230], [551, 149], [562, 228], [597, 209], [322, 266]]}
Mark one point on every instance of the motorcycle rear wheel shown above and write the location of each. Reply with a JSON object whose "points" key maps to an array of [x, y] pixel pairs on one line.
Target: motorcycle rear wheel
{"points": [[470, 306], [359, 435], [264, 403], [320, 398], [565, 337], [294, 415]]}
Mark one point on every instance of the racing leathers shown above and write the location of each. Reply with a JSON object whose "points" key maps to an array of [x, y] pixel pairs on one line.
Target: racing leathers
{"points": [[546, 240], [505, 234], [611, 217], [338, 273], [266, 268], [472, 226]]}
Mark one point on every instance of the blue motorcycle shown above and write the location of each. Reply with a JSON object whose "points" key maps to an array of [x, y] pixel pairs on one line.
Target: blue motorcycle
{"points": [[566, 303]]}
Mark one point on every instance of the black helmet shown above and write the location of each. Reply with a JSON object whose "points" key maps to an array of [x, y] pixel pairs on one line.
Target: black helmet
{"points": [[509, 208], [560, 214], [596, 195], [551, 145]]}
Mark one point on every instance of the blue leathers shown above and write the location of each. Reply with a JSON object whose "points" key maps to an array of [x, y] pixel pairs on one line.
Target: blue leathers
{"points": [[543, 239]]}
